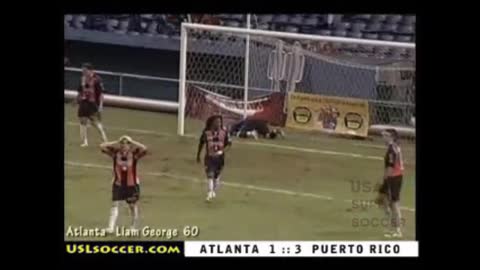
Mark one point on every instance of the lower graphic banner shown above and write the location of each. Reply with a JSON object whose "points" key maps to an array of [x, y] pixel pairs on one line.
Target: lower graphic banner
{"points": [[301, 249], [347, 116]]}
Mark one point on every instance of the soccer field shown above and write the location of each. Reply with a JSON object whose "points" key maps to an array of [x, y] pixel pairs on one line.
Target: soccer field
{"points": [[304, 187]]}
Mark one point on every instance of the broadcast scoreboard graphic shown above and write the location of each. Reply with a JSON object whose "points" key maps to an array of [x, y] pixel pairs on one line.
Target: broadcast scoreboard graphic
{"points": [[240, 135], [251, 248]]}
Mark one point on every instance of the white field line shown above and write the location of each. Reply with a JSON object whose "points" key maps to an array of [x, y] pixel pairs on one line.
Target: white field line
{"points": [[182, 177], [384, 147], [271, 145], [370, 145], [230, 184]]}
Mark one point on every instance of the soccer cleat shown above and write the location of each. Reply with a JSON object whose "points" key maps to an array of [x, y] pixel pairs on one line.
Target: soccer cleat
{"points": [[109, 230], [210, 196], [85, 144], [397, 234], [213, 194], [388, 233]]}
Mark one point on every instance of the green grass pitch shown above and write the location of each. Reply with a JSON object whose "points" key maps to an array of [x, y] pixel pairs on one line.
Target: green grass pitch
{"points": [[304, 187]]}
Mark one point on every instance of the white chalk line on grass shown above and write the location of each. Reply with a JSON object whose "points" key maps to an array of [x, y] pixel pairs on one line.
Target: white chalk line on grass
{"points": [[183, 177], [230, 184], [271, 145], [370, 145]]}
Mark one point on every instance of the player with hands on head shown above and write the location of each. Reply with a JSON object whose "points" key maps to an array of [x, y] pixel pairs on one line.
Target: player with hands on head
{"points": [[125, 153]]}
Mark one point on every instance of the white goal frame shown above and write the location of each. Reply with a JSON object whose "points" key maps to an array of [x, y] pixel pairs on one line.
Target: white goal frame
{"points": [[248, 32]]}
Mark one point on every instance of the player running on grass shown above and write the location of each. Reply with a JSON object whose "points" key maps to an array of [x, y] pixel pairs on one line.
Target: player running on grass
{"points": [[215, 137], [255, 128], [389, 192], [90, 102], [125, 153]]}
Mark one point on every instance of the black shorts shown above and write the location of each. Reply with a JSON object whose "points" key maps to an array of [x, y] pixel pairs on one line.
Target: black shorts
{"points": [[87, 109], [214, 166], [391, 187], [130, 194]]}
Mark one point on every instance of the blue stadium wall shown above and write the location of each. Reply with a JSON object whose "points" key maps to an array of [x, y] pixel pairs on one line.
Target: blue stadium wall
{"points": [[118, 58], [160, 57]]}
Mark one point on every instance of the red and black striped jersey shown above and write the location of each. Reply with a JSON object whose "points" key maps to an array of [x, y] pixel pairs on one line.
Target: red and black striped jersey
{"points": [[216, 140], [91, 89], [125, 165], [394, 159]]}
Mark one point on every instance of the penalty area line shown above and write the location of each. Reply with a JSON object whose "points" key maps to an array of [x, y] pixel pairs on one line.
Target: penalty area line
{"points": [[230, 184], [270, 145], [194, 179]]}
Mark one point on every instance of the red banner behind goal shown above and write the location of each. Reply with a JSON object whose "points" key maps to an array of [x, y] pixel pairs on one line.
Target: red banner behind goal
{"points": [[202, 103]]}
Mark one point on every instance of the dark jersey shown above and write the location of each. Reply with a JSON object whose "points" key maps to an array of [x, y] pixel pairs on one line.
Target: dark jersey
{"points": [[393, 159], [91, 89], [216, 141], [261, 126], [125, 166]]}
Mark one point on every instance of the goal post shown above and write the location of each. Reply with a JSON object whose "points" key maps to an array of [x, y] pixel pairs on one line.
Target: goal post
{"points": [[241, 72]]}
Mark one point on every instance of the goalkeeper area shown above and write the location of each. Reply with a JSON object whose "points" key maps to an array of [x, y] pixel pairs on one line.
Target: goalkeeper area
{"points": [[307, 186]]}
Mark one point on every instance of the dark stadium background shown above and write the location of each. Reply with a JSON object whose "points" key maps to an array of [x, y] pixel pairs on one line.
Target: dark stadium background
{"points": [[133, 60]]}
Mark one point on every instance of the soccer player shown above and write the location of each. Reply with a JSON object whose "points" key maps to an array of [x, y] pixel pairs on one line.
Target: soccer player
{"points": [[90, 102], [389, 192], [254, 128], [215, 137], [125, 153]]}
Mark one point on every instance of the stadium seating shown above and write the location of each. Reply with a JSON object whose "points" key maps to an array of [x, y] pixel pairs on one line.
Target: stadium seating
{"points": [[264, 18], [402, 27], [394, 19], [323, 32], [387, 37], [387, 27], [280, 19], [340, 33], [354, 34], [373, 27], [370, 36], [291, 29], [342, 26], [310, 21], [358, 26]]}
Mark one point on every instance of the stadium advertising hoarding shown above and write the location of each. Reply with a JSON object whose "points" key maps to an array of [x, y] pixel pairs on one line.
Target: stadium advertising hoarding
{"points": [[346, 116]]}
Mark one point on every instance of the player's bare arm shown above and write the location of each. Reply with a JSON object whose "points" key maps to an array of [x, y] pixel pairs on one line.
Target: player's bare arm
{"points": [[140, 148], [201, 143], [228, 143], [106, 145], [138, 145]]}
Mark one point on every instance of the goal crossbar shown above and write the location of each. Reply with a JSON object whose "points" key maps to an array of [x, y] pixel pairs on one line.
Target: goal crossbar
{"points": [[298, 36]]}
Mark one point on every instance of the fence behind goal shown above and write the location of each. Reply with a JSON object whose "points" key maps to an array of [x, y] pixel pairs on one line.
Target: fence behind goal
{"points": [[242, 72]]}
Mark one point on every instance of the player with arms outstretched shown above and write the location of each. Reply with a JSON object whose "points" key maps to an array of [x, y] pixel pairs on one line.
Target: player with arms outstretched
{"points": [[90, 102], [255, 128], [125, 154], [215, 137]]}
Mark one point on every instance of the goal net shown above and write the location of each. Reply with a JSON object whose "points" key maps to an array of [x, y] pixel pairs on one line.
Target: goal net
{"points": [[242, 73]]}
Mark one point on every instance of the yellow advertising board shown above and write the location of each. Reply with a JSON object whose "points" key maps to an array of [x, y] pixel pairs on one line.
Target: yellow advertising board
{"points": [[348, 116]]}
